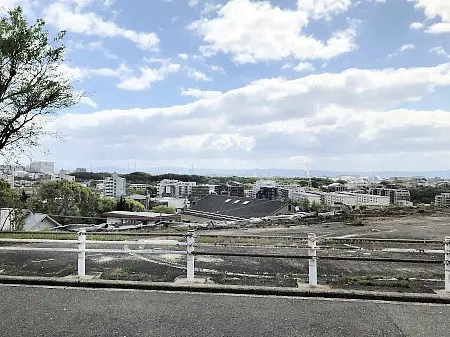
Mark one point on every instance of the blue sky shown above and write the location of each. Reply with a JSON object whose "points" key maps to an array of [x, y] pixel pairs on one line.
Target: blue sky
{"points": [[343, 84]]}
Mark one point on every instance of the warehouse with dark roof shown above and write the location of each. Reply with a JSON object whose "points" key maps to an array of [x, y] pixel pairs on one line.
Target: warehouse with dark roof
{"points": [[226, 208]]}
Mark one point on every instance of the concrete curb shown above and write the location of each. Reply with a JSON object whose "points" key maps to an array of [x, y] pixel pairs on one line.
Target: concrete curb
{"points": [[226, 289]]}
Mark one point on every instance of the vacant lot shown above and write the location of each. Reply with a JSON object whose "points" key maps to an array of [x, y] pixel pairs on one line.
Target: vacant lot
{"points": [[393, 276]]}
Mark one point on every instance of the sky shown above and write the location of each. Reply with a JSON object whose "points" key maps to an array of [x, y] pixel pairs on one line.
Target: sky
{"points": [[344, 85]]}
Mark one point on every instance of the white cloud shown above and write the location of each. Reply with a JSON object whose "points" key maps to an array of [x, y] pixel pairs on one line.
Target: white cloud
{"points": [[436, 9], [304, 66], [192, 3], [437, 28], [91, 46], [351, 115], [88, 101], [440, 51], [197, 93], [258, 31], [60, 15], [209, 7], [183, 56], [218, 69], [402, 49], [148, 76], [416, 25], [197, 75], [319, 9], [78, 73]]}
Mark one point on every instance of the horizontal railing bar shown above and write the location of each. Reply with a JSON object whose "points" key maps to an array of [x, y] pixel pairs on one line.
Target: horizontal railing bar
{"points": [[247, 236], [289, 256], [75, 250], [39, 241], [94, 242], [331, 239], [202, 234], [385, 250], [94, 233], [243, 245]]}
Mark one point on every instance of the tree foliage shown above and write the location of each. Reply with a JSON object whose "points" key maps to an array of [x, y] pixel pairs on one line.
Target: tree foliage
{"points": [[129, 205], [65, 198], [8, 197], [32, 85], [426, 194], [164, 209]]}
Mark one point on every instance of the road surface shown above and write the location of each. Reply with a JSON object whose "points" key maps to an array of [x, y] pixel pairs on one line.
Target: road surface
{"points": [[44, 311]]}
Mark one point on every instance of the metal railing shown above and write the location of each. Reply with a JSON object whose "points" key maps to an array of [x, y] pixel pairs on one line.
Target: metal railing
{"points": [[311, 249]]}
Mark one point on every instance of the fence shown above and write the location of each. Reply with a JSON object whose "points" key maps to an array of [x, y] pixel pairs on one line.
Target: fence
{"points": [[311, 247]]}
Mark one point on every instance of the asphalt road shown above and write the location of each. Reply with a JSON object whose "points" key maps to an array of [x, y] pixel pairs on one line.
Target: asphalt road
{"points": [[41, 311]]}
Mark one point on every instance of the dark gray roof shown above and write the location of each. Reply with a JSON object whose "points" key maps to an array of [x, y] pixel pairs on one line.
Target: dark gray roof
{"points": [[233, 208]]}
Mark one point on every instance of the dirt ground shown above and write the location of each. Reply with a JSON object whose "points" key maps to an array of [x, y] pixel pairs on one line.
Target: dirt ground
{"points": [[286, 272]]}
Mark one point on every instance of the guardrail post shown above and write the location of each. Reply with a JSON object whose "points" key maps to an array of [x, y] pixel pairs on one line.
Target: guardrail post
{"points": [[447, 263], [190, 240], [82, 252], [312, 252]]}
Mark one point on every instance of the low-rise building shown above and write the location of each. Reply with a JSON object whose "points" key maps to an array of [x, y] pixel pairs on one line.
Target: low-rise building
{"points": [[353, 199], [139, 186], [62, 175], [144, 218], [442, 200]]}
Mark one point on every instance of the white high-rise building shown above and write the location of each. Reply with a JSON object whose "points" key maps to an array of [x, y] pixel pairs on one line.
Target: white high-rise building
{"points": [[47, 167], [114, 186], [175, 188]]}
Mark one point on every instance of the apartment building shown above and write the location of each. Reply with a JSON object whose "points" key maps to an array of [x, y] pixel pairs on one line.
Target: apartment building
{"points": [[201, 191], [175, 188], [353, 199], [47, 167], [114, 186], [396, 195], [442, 200], [272, 193]]}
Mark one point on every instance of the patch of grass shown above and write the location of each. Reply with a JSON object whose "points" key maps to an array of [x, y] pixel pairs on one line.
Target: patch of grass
{"points": [[118, 272], [63, 236], [37, 235], [362, 280], [237, 240], [403, 282], [400, 284]]}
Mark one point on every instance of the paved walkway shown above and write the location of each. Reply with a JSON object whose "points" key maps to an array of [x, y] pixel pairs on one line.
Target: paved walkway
{"points": [[45, 311]]}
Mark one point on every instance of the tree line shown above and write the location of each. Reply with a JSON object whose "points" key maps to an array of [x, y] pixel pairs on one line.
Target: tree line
{"points": [[66, 201]]}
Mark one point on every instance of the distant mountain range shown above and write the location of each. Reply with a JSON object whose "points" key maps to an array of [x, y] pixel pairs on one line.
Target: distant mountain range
{"points": [[273, 172]]}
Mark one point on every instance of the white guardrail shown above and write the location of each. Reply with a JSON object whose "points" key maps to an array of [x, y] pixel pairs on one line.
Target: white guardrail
{"points": [[190, 253]]}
